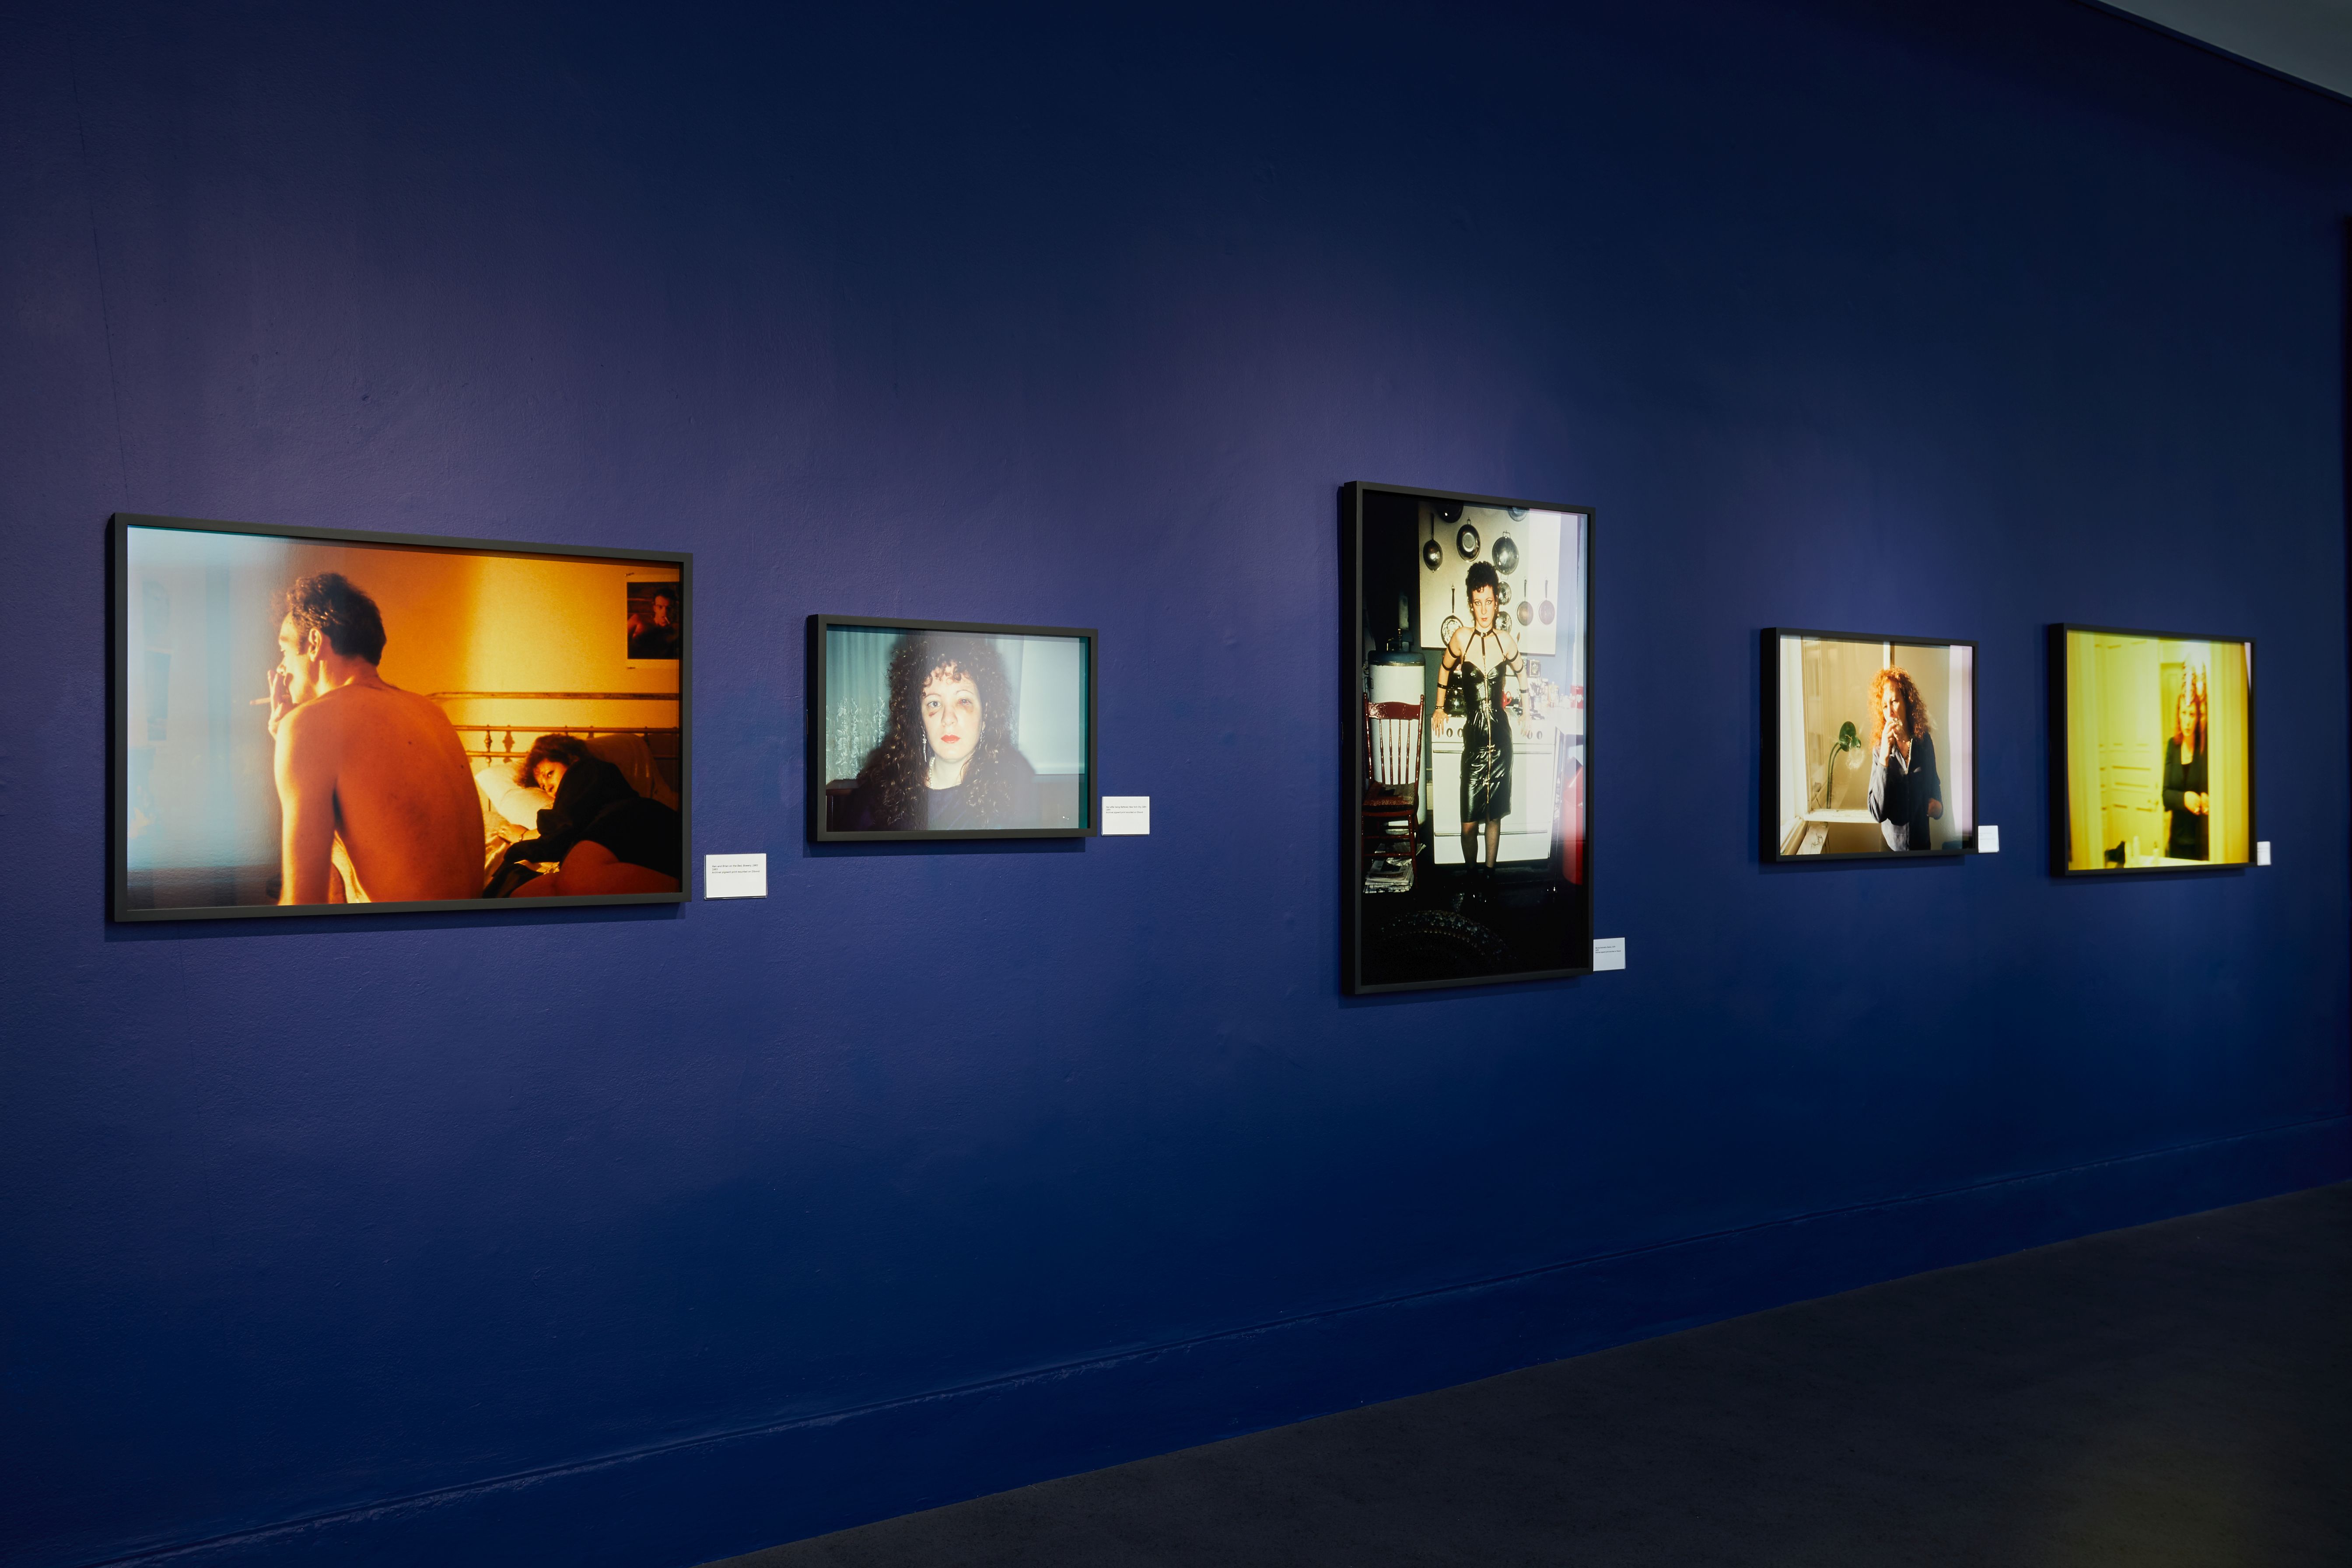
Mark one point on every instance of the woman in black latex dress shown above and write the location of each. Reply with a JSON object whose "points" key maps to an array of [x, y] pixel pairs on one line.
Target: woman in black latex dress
{"points": [[1470, 676]]}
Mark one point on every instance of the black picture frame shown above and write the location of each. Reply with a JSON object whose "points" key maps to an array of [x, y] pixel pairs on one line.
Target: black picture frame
{"points": [[819, 786], [1771, 809], [1358, 976], [2061, 817], [119, 747]]}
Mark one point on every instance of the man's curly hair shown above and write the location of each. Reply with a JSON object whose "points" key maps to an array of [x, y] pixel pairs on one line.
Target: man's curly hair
{"points": [[329, 604], [894, 771], [1914, 708]]}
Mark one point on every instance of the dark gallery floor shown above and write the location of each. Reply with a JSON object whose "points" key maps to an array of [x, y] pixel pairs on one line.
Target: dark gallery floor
{"points": [[2181, 1393]]}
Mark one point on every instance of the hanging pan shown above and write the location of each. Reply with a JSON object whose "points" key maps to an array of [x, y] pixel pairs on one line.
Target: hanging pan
{"points": [[1452, 624], [1527, 605], [1507, 555], [1432, 555], [1465, 539], [1544, 613], [1502, 594]]}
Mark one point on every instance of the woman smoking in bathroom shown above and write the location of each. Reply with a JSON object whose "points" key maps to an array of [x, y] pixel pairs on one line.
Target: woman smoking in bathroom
{"points": [[2185, 797], [1470, 675], [947, 760], [1905, 794]]}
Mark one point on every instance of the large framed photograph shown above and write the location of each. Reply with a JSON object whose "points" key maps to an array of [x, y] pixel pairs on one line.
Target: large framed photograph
{"points": [[1465, 708], [949, 729], [2151, 751], [312, 720], [1870, 745]]}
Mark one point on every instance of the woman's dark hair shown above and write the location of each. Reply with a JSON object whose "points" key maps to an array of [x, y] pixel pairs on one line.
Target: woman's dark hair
{"points": [[893, 776], [569, 750], [1482, 575]]}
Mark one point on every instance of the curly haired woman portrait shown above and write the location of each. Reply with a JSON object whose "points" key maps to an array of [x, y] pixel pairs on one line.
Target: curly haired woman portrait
{"points": [[1905, 795], [946, 760]]}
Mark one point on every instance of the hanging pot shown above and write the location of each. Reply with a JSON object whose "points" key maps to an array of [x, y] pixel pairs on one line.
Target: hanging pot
{"points": [[1507, 555], [1502, 594], [1452, 624], [1516, 512], [1465, 539], [1448, 511], [1432, 555], [1527, 605], [1544, 613]]}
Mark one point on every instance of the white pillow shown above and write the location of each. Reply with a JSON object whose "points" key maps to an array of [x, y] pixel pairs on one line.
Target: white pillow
{"points": [[518, 803]]}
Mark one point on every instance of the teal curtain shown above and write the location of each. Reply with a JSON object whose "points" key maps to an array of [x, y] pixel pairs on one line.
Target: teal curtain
{"points": [[857, 695]]}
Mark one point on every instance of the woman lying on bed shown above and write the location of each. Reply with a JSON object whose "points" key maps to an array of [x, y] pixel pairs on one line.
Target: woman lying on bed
{"points": [[608, 837]]}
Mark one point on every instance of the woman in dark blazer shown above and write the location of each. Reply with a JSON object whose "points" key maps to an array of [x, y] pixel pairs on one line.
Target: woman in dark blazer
{"points": [[1905, 795], [2187, 797]]}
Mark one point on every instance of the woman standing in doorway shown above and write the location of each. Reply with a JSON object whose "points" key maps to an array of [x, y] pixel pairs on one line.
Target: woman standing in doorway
{"points": [[2187, 769], [1476, 659]]}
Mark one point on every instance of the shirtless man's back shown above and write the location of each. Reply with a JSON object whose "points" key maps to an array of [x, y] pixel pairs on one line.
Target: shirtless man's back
{"points": [[374, 799], [381, 771]]}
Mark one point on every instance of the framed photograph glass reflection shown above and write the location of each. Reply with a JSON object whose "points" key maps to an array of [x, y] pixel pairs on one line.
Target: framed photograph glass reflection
{"points": [[1869, 746], [2151, 751], [949, 729], [313, 721], [1466, 711]]}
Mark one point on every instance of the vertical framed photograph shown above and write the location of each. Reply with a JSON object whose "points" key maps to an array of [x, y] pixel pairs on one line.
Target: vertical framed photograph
{"points": [[1466, 711], [2151, 751], [1870, 745], [949, 729], [311, 720]]}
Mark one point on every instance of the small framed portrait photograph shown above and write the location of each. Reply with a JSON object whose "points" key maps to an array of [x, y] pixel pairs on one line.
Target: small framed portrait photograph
{"points": [[1869, 746], [657, 617], [312, 721], [949, 729], [2151, 751], [1465, 708]]}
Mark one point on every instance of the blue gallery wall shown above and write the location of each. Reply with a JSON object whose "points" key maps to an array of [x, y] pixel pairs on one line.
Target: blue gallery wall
{"points": [[639, 1238]]}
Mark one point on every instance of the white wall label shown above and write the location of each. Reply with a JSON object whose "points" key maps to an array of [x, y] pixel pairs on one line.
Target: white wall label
{"points": [[1608, 952], [1126, 814], [734, 875], [2262, 851], [1988, 840]]}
